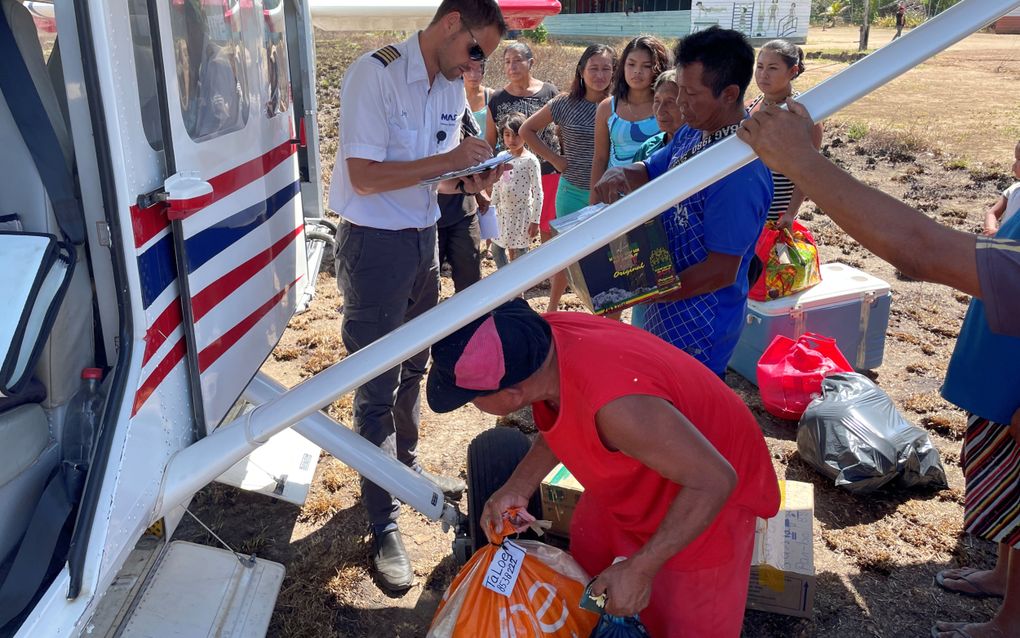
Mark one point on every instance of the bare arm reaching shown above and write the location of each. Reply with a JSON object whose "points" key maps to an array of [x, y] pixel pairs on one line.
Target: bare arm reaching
{"points": [[529, 131], [652, 431], [369, 177], [600, 161]]}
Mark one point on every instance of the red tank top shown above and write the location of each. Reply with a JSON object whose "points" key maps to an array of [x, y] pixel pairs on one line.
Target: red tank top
{"points": [[601, 360]]}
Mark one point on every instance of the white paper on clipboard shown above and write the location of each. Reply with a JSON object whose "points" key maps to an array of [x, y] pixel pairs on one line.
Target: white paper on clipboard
{"points": [[492, 162], [488, 224]]}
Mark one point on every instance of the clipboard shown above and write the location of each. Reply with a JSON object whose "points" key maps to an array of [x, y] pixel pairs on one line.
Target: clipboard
{"points": [[492, 162]]}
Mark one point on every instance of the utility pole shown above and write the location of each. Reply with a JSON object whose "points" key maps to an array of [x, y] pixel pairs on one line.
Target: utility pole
{"points": [[865, 26]]}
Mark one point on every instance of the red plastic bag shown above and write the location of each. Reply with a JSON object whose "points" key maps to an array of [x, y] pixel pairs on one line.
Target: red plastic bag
{"points": [[541, 594], [791, 372], [789, 260]]}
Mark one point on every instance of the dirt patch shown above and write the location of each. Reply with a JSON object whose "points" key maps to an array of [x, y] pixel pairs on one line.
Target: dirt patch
{"points": [[872, 553]]}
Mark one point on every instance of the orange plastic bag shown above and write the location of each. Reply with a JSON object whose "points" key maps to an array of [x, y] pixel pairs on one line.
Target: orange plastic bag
{"points": [[790, 372], [790, 262], [543, 601]]}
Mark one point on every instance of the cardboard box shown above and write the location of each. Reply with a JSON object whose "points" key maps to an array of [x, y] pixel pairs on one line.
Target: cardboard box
{"points": [[629, 270], [783, 568], [560, 493]]}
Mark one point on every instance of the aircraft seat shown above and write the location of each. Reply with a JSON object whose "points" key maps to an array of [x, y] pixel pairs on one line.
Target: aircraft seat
{"points": [[29, 434]]}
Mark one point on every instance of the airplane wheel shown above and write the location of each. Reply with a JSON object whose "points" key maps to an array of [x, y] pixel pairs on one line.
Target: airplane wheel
{"points": [[319, 221], [318, 235], [492, 457]]}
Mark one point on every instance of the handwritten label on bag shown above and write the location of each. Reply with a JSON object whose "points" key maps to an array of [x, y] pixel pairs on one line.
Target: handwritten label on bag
{"points": [[505, 568]]}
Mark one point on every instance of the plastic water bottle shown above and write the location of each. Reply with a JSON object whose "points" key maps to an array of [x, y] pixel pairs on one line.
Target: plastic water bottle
{"points": [[80, 425]]}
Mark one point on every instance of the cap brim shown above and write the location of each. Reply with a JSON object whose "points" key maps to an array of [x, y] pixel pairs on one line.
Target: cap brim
{"points": [[444, 395]]}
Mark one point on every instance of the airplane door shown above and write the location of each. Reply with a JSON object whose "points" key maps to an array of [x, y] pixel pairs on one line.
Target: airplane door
{"points": [[234, 194], [301, 48]]}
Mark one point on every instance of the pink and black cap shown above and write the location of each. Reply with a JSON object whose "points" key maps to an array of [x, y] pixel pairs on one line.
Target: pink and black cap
{"points": [[495, 351]]}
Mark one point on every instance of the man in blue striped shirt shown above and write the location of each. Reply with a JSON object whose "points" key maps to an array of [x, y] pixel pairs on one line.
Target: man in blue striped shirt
{"points": [[712, 234]]}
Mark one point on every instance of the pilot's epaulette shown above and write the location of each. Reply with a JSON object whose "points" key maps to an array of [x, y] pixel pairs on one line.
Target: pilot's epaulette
{"points": [[387, 54]]}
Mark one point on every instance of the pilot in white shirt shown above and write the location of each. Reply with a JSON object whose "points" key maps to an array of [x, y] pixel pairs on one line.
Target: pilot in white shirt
{"points": [[391, 113], [400, 110]]}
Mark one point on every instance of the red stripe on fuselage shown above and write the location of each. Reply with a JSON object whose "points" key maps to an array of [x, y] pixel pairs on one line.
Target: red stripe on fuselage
{"points": [[210, 354], [159, 373], [160, 330], [226, 183], [148, 222], [211, 295], [215, 350], [223, 287]]}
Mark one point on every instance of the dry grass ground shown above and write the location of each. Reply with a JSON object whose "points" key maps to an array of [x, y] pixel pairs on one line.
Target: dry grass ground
{"points": [[962, 101], [875, 556]]}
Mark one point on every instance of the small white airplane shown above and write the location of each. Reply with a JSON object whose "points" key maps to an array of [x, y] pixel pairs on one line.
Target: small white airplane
{"points": [[161, 221]]}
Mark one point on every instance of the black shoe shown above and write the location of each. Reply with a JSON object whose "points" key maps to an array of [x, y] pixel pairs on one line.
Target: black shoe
{"points": [[390, 562], [451, 487]]}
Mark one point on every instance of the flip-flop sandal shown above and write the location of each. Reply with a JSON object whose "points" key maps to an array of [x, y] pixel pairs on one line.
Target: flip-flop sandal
{"points": [[979, 591]]}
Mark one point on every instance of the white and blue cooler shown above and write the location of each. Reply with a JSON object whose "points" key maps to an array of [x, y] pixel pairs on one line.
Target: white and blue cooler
{"points": [[849, 305]]}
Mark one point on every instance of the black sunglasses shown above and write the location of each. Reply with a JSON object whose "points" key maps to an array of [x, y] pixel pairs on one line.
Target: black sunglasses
{"points": [[475, 52]]}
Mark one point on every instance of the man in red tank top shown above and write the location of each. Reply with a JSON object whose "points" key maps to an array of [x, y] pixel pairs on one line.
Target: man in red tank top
{"points": [[674, 466]]}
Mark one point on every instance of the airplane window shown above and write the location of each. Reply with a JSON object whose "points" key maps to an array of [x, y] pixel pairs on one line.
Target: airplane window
{"points": [[277, 69], [209, 55], [145, 69]]}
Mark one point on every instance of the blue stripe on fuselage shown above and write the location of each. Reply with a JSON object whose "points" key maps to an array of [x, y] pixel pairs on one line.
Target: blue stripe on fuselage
{"points": [[211, 241], [156, 267]]}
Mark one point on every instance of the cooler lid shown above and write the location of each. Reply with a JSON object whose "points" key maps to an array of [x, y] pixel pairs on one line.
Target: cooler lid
{"points": [[840, 283]]}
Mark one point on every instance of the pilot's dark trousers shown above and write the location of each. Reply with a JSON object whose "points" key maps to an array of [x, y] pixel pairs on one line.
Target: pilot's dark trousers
{"points": [[386, 278]]}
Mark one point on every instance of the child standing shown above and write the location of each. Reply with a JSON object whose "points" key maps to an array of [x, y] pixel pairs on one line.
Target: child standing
{"points": [[517, 196], [1007, 205]]}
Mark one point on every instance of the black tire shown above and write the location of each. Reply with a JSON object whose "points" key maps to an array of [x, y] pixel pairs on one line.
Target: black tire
{"points": [[318, 235], [492, 457]]}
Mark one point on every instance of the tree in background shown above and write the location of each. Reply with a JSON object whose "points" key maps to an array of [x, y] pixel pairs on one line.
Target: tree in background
{"points": [[931, 8], [538, 35], [827, 12], [864, 13]]}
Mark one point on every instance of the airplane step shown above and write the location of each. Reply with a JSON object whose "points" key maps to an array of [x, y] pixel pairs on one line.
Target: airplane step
{"points": [[199, 591], [282, 468]]}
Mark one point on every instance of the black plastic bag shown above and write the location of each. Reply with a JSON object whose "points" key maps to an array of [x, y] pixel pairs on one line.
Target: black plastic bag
{"points": [[853, 434]]}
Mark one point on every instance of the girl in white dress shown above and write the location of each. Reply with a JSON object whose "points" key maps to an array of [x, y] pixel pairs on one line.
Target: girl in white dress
{"points": [[517, 196]]}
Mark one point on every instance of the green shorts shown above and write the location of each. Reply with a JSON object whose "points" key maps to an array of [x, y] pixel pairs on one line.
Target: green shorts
{"points": [[569, 199]]}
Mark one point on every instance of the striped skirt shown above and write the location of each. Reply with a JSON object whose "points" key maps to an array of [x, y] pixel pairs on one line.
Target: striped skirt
{"points": [[991, 468]]}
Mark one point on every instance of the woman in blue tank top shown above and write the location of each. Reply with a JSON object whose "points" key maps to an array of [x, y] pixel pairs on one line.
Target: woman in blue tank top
{"points": [[625, 120]]}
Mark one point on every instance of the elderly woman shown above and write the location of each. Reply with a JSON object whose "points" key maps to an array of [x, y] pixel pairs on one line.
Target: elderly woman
{"points": [[670, 118], [525, 94], [667, 114]]}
